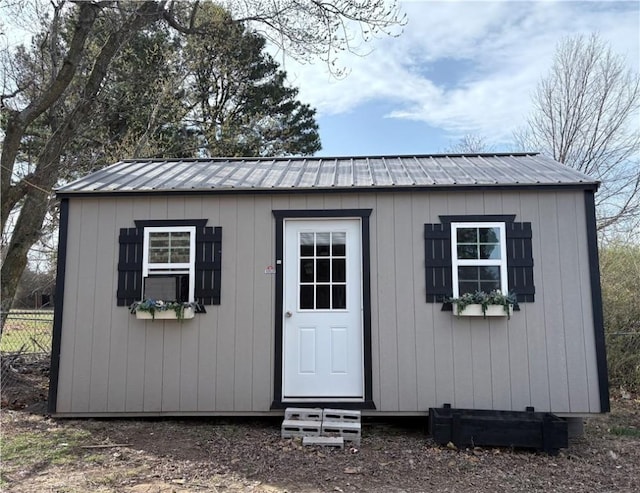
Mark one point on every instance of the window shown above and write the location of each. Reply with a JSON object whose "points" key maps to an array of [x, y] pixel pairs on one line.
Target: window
{"points": [[170, 259], [168, 263], [478, 253], [323, 282], [470, 252]]}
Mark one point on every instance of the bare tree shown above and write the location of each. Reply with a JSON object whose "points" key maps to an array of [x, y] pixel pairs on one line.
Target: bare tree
{"points": [[585, 115], [76, 70], [470, 144]]}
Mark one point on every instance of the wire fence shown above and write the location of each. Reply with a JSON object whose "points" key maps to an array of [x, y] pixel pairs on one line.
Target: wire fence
{"points": [[25, 346]]}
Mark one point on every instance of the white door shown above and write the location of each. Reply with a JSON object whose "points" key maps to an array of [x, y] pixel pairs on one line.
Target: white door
{"points": [[323, 332]]}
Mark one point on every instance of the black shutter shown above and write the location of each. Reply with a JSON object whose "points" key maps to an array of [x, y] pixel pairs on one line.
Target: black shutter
{"points": [[520, 261], [130, 266], [208, 265], [437, 259]]}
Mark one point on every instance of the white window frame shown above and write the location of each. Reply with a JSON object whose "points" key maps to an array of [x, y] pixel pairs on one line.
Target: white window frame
{"points": [[501, 262], [171, 268]]}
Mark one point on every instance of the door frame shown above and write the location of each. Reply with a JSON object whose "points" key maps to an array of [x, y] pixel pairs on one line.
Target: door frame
{"points": [[363, 215]]}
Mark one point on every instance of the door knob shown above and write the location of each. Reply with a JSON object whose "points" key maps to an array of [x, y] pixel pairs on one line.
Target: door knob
{"points": [[288, 314]]}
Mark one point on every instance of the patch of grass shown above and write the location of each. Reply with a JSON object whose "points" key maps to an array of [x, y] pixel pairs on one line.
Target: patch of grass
{"points": [[28, 332], [37, 447], [25, 340], [625, 431]]}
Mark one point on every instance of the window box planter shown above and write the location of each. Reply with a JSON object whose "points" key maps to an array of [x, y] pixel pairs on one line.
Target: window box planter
{"points": [[165, 314], [475, 310], [150, 309], [481, 304]]}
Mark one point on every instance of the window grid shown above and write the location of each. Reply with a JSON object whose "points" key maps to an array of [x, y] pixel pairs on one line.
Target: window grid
{"points": [[322, 281], [472, 241], [169, 247]]}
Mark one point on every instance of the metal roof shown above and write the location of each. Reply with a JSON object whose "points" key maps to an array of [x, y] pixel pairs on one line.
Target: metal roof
{"points": [[323, 173]]}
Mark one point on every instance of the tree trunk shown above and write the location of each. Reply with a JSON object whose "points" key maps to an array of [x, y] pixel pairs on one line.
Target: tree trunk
{"points": [[18, 121], [34, 209], [25, 234]]}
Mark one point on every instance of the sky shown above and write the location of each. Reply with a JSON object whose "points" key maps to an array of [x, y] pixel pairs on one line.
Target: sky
{"points": [[459, 67]]}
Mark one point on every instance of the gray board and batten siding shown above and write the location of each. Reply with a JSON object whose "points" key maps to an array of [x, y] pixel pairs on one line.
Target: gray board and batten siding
{"points": [[549, 354]]}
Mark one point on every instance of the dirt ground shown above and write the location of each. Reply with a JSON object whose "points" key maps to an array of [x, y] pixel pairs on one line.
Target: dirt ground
{"points": [[40, 454]]}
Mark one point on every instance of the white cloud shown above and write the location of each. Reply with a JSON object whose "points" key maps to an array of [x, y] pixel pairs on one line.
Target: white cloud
{"points": [[501, 49]]}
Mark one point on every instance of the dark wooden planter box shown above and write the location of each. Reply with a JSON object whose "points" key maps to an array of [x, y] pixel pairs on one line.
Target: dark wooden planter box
{"points": [[518, 429]]}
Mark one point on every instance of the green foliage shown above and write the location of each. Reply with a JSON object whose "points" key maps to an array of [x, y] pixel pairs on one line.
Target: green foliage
{"points": [[625, 431], [238, 99], [620, 281], [56, 446], [484, 300], [153, 306], [214, 92]]}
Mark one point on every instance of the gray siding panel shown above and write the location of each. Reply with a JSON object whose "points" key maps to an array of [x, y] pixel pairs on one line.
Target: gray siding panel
{"points": [[513, 351], [102, 313], [222, 361], [225, 347], [442, 321], [572, 301], [244, 295], [85, 310], [422, 313], [387, 292], [553, 270], [405, 321]]}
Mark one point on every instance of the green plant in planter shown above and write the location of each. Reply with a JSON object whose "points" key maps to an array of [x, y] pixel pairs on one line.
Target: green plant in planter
{"points": [[484, 299], [152, 306]]}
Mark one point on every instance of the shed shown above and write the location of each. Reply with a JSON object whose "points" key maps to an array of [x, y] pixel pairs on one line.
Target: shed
{"points": [[325, 282]]}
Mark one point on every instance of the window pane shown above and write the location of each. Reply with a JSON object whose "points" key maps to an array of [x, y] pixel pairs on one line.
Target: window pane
{"points": [[467, 251], [306, 297], [468, 273], [169, 247], [159, 255], [339, 296], [488, 286], [339, 270], [468, 287], [158, 240], [179, 256], [306, 244], [489, 235], [322, 296], [480, 278], [323, 273], [490, 273], [339, 241], [322, 244], [306, 270], [490, 251], [467, 235]]}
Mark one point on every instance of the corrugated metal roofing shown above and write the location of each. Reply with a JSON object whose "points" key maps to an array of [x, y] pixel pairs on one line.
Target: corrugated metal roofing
{"points": [[321, 173]]}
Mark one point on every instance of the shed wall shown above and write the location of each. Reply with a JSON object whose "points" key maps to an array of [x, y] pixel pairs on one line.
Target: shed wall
{"points": [[222, 361]]}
